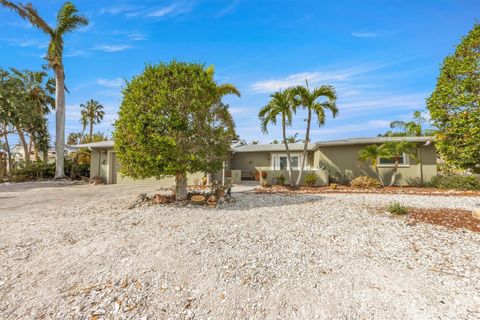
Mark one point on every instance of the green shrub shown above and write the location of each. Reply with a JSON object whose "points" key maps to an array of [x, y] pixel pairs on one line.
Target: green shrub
{"points": [[456, 181], [417, 182], [34, 171], [311, 179], [397, 209], [281, 180], [365, 182]]}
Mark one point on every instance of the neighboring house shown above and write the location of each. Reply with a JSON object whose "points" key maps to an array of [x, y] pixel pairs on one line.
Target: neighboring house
{"points": [[18, 154], [330, 160]]}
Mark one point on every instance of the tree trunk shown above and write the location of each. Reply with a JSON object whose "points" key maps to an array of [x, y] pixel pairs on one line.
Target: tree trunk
{"points": [[379, 176], [180, 186], [21, 136], [307, 139], [394, 174], [91, 130], [34, 146], [59, 123], [7, 147], [284, 132]]}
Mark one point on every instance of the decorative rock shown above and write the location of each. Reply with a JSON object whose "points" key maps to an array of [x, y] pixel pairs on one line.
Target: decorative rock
{"points": [[198, 199], [476, 214], [160, 199]]}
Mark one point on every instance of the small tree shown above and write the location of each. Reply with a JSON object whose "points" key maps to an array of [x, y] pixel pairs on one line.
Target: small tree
{"points": [[372, 154], [172, 122], [455, 105], [395, 150]]}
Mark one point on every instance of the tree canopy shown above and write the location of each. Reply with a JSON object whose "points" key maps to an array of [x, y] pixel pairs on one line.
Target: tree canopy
{"points": [[455, 104], [172, 122]]}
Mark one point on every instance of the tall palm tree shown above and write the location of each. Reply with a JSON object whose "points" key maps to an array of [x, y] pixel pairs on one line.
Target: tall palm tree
{"points": [[372, 154], [281, 104], [310, 100], [395, 150], [67, 21], [92, 111]]}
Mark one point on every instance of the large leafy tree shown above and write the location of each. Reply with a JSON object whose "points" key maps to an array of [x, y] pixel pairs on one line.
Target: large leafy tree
{"points": [[67, 21], [280, 105], [91, 113], [172, 122], [316, 102], [455, 104]]}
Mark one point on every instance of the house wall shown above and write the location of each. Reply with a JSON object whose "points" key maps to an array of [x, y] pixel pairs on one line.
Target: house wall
{"points": [[249, 161], [103, 161], [342, 160]]}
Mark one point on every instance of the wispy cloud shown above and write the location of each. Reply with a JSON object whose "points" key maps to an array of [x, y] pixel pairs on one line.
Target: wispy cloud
{"points": [[116, 10], [348, 128], [112, 47], [137, 36], [75, 53], [314, 77], [31, 43], [228, 9], [364, 34], [111, 83], [162, 11]]}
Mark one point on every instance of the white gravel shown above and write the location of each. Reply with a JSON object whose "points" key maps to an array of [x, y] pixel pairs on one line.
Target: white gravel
{"points": [[263, 257]]}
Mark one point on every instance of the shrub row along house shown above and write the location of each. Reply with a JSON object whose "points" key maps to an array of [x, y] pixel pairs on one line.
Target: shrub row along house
{"points": [[332, 161]]}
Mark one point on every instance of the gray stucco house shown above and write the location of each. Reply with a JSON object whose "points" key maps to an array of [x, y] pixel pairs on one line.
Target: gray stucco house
{"points": [[332, 161]]}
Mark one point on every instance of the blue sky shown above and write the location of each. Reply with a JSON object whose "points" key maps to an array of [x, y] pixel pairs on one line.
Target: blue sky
{"points": [[382, 57]]}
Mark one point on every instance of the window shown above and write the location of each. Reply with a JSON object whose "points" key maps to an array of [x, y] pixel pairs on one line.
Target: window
{"points": [[280, 162], [390, 162]]}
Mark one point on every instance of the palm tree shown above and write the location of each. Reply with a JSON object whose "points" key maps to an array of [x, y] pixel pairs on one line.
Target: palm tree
{"points": [[67, 21], [395, 150], [372, 154], [410, 128], [92, 112], [40, 90], [309, 100], [294, 138], [281, 104]]}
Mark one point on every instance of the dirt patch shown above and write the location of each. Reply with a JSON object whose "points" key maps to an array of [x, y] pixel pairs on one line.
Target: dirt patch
{"points": [[450, 218], [385, 190]]}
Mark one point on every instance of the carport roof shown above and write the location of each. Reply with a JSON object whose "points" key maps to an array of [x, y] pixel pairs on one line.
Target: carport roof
{"points": [[95, 145]]}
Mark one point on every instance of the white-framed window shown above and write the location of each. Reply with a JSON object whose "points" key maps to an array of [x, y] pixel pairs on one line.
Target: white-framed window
{"points": [[390, 162], [280, 161]]}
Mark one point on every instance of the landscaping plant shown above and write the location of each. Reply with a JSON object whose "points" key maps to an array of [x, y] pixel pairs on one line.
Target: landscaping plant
{"points": [[454, 105], [397, 209], [311, 179], [365, 182], [456, 182], [172, 122]]}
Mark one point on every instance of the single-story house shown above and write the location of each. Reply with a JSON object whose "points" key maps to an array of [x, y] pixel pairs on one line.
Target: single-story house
{"points": [[332, 161]]}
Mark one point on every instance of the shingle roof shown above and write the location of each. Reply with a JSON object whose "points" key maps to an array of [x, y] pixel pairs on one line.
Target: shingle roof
{"points": [[272, 147]]}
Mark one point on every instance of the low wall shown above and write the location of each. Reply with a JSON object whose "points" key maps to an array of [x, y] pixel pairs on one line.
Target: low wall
{"points": [[322, 175]]}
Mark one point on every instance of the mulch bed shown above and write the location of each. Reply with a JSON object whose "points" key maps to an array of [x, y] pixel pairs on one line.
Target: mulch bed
{"points": [[450, 218], [385, 190]]}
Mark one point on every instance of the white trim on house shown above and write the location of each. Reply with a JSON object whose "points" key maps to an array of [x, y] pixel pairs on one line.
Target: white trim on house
{"points": [[404, 164], [275, 161]]}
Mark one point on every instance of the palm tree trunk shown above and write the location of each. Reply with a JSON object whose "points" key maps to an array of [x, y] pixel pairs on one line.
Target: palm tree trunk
{"points": [[394, 174], [305, 147], [379, 176], [59, 123], [91, 130], [21, 136], [7, 147], [180, 186], [33, 145], [284, 132]]}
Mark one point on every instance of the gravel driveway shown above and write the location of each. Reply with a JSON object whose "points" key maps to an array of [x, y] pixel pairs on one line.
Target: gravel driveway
{"points": [[263, 257]]}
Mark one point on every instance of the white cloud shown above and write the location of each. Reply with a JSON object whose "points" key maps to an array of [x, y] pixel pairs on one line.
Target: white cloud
{"points": [[228, 9], [314, 77], [364, 34], [237, 110], [75, 53], [111, 83], [162, 11], [112, 48], [137, 36]]}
